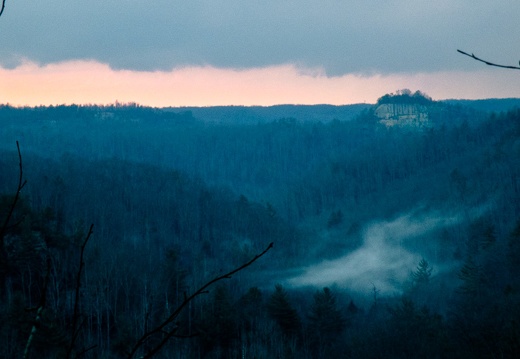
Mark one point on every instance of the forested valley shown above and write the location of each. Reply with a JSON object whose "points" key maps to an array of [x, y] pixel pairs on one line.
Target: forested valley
{"points": [[388, 241]]}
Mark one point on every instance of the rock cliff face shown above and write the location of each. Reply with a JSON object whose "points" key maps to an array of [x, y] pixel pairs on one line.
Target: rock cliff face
{"points": [[396, 114]]}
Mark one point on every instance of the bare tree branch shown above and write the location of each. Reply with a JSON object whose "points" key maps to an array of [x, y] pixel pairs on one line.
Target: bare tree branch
{"points": [[3, 7], [75, 316], [170, 334], [21, 184], [41, 307], [85, 351], [489, 63]]}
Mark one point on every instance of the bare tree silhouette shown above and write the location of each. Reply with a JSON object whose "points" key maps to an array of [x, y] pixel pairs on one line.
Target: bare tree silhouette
{"points": [[162, 333], [3, 7], [168, 328]]}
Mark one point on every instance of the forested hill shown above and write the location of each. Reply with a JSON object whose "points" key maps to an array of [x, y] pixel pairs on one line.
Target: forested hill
{"points": [[487, 105], [409, 232], [261, 114]]}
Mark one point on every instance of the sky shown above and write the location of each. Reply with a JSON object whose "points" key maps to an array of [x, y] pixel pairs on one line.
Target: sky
{"points": [[241, 52]]}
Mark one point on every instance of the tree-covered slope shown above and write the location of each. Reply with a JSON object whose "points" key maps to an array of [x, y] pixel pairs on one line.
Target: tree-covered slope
{"points": [[406, 232]]}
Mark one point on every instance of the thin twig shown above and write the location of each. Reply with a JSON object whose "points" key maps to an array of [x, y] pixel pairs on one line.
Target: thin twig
{"points": [[21, 184], [487, 62], [187, 300], [3, 7], [75, 316], [84, 351]]}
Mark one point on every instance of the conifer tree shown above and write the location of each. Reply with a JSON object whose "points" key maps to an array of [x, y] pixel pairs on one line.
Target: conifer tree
{"points": [[470, 274], [326, 323], [325, 317], [219, 325], [422, 274], [280, 309]]}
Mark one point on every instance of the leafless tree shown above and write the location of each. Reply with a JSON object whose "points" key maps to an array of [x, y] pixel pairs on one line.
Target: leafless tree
{"points": [[7, 225], [39, 311], [21, 183], [489, 63], [76, 326], [168, 328], [161, 334]]}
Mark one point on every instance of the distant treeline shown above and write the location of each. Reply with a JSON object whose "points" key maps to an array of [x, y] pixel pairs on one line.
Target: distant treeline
{"points": [[406, 97]]}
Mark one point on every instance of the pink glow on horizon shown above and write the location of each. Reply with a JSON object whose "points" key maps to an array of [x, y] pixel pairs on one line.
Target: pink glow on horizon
{"points": [[90, 82]]}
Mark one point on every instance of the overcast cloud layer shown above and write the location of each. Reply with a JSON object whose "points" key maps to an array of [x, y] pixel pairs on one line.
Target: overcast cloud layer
{"points": [[337, 37]]}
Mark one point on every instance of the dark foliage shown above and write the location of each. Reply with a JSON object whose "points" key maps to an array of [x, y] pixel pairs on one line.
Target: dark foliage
{"points": [[406, 97]]}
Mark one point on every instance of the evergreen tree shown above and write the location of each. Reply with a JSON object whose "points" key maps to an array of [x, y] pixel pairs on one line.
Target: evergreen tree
{"points": [[422, 274], [219, 323], [470, 274], [249, 306], [326, 323], [280, 309], [325, 318], [414, 332]]}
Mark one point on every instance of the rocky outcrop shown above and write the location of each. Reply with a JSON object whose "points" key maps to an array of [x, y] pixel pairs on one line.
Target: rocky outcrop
{"points": [[396, 114]]}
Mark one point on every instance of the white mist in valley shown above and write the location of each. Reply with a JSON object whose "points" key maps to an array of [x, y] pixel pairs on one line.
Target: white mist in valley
{"points": [[383, 260]]}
